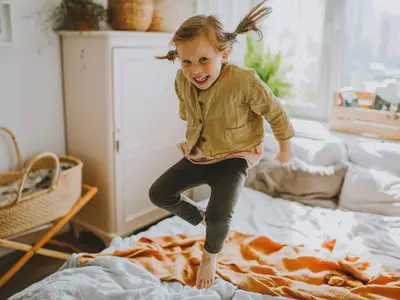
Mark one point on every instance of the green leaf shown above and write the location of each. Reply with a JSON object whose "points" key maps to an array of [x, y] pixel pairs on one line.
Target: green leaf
{"points": [[269, 67]]}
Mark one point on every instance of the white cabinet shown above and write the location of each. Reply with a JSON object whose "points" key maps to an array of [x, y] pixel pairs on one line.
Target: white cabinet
{"points": [[122, 121]]}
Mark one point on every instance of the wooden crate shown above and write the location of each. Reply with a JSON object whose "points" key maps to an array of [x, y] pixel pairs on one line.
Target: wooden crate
{"points": [[363, 121]]}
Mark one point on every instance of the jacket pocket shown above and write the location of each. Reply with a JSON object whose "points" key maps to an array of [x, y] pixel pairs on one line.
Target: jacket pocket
{"points": [[238, 136]]}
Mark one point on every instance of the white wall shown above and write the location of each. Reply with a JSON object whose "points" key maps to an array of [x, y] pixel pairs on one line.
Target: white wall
{"points": [[31, 102]]}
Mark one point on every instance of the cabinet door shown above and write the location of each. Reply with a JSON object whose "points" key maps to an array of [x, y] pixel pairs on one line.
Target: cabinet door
{"points": [[147, 129]]}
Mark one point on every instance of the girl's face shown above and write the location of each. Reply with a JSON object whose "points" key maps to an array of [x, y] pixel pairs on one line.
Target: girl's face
{"points": [[201, 63]]}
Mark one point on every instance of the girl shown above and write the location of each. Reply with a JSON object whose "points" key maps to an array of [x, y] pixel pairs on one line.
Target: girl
{"points": [[224, 106]]}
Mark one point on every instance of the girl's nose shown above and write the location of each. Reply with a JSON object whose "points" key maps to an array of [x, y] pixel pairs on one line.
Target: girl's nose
{"points": [[196, 69]]}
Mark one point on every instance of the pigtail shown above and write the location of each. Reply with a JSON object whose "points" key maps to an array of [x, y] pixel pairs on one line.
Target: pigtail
{"points": [[251, 21], [171, 55]]}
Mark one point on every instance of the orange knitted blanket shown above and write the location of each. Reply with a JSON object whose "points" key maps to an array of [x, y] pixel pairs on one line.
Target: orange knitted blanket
{"points": [[260, 265]]}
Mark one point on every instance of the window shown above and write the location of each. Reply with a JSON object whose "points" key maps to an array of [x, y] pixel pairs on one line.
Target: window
{"points": [[296, 28], [334, 44], [372, 43]]}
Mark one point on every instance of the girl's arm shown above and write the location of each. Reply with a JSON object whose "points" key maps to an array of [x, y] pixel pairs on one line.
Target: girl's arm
{"points": [[264, 103], [182, 106], [284, 145]]}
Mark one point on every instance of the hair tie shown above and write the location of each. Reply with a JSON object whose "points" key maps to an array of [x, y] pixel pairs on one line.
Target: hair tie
{"points": [[231, 36], [171, 54]]}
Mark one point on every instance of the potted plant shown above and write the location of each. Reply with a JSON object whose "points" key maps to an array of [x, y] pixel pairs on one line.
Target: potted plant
{"points": [[269, 67], [81, 15]]}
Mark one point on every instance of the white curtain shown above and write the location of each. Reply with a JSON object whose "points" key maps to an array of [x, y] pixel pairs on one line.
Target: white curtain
{"points": [[372, 43], [296, 28], [230, 12]]}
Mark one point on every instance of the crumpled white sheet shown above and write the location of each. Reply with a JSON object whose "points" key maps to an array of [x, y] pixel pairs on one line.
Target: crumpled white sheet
{"points": [[256, 213]]}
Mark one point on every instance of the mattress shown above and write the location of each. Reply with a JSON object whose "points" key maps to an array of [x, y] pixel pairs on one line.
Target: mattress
{"points": [[256, 213]]}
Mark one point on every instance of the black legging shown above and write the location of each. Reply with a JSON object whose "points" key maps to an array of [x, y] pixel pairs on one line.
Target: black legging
{"points": [[226, 179]]}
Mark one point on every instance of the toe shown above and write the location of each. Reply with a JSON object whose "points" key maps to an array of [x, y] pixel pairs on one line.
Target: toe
{"points": [[203, 284], [207, 284], [198, 283]]}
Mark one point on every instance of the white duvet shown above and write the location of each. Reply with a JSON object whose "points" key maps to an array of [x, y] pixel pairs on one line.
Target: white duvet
{"points": [[256, 213]]}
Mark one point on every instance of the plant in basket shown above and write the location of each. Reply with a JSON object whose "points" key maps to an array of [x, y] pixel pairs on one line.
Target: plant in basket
{"points": [[81, 15]]}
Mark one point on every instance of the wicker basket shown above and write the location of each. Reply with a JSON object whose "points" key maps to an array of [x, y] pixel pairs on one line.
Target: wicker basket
{"points": [[132, 15], [46, 205], [170, 14], [9, 177]]}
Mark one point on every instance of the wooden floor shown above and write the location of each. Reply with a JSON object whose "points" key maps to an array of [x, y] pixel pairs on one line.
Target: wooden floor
{"points": [[39, 267]]}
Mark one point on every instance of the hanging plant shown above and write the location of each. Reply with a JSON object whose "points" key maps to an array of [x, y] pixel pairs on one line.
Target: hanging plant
{"points": [[82, 15]]}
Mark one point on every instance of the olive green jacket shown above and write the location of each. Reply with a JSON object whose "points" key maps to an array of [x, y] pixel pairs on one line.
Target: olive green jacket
{"points": [[229, 116]]}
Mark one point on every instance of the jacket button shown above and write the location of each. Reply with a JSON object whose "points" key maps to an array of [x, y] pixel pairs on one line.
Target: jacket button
{"points": [[201, 121], [203, 139], [201, 103]]}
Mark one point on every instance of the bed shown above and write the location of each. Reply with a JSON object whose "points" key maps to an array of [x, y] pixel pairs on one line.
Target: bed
{"points": [[256, 213], [356, 224]]}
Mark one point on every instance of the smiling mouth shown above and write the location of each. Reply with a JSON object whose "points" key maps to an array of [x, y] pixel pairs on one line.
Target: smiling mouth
{"points": [[201, 80]]}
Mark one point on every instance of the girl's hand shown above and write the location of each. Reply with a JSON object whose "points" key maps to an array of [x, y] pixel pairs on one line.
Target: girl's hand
{"points": [[284, 156], [285, 152]]}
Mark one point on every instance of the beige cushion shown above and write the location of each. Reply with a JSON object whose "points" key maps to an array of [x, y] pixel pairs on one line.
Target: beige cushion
{"points": [[372, 191], [298, 181], [375, 155]]}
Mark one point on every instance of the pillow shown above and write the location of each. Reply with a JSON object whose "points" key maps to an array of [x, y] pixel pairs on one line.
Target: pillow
{"points": [[370, 190], [298, 181], [307, 129], [315, 152], [371, 154]]}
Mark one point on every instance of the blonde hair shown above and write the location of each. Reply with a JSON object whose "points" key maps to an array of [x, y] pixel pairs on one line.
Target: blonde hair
{"points": [[213, 30]]}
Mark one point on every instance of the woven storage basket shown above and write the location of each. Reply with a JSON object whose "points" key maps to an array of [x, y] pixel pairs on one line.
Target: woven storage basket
{"points": [[44, 206], [132, 15], [170, 14], [9, 177]]}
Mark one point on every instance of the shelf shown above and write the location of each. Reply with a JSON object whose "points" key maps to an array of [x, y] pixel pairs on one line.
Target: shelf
{"points": [[120, 33], [364, 121]]}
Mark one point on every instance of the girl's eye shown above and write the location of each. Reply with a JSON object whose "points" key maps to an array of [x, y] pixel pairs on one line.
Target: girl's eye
{"points": [[203, 59], [186, 62]]}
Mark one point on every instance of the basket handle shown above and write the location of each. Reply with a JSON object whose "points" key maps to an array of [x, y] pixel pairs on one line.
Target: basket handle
{"points": [[55, 176], [15, 146]]}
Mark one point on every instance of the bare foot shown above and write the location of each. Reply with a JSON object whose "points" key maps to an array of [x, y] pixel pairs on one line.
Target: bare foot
{"points": [[207, 270]]}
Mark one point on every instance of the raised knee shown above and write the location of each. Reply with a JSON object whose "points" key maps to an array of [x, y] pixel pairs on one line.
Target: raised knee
{"points": [[155, 194]]}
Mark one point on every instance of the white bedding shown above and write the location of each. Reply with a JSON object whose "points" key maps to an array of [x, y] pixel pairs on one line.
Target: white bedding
{"points": [[256, 213]]}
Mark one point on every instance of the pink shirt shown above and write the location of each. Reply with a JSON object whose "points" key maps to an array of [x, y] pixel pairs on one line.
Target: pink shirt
{"points": [[252, 156]]}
